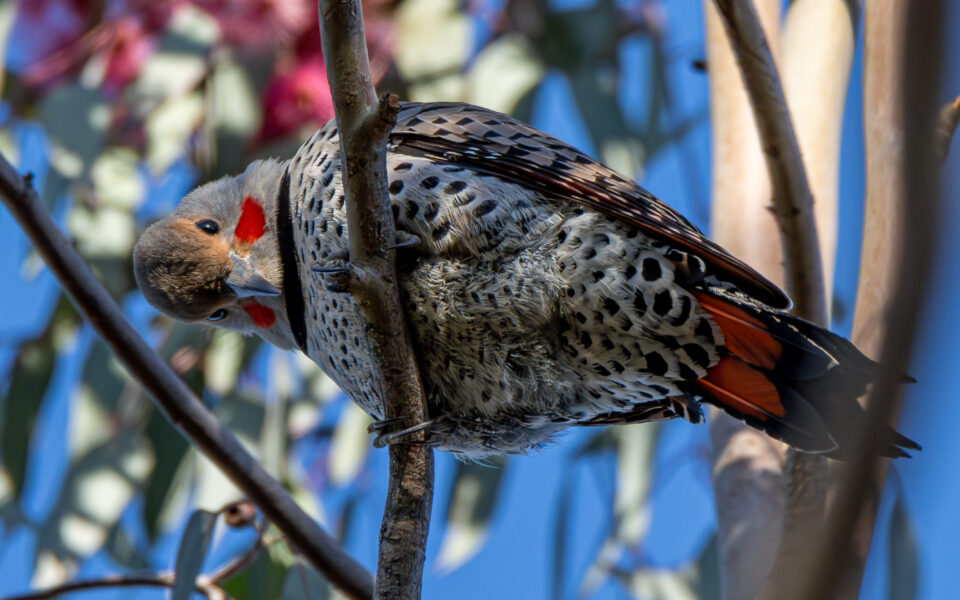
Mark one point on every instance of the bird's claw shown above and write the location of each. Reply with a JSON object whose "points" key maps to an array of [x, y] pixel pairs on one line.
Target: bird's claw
{"points": [[338, 280], [404, 240], [386, 435]]}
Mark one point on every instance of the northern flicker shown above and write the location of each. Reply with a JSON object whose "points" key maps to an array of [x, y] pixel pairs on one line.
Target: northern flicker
{"points": [[545, 290]]}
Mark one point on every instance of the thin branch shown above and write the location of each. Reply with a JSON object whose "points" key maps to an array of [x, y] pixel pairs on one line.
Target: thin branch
{"points": [[792, 201], [161, 580], [793, 208], [364, 126], [171, 395], [747, 465], [919, 205]]}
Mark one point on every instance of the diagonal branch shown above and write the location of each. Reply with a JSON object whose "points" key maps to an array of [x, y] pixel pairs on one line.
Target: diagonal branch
{"points": [[171, 395], [793, 209], [364, 126], [792, 200]]}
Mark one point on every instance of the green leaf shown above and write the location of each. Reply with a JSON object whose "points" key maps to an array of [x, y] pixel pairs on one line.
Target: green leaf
{"points": [[99, 485], [561, 525], [631, 512], [904, 562], [302, 582], [434, 39], [180, 61], [504, 73], [76, 118], [162, 490], [31, 374], [657, 584], [234, 114], [473, 497], [7, 13], [350, 445], [192, 551], [264, 578], [706, 576]]}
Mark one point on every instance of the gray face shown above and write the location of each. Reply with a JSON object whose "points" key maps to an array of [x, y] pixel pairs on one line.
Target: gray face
{"points": [[188, 264], [181, 266]]}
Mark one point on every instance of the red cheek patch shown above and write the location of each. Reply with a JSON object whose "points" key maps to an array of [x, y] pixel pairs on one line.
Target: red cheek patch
{"points": [[262, 316], [252, 221]]}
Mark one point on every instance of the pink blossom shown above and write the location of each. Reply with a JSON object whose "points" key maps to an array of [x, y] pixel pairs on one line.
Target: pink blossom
{"points": [[259, 23], [124, 40], [296, 97], [45, 27], [126, 48]]}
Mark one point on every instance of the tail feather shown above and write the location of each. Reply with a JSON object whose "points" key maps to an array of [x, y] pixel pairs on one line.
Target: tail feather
{"points": [[793, 380]]}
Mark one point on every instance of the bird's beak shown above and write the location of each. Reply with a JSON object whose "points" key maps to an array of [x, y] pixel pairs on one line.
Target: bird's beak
{"points": [[246, 281]]}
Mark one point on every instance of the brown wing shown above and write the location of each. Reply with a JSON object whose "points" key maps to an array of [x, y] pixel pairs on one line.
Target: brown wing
{"points": [[500, 145]]}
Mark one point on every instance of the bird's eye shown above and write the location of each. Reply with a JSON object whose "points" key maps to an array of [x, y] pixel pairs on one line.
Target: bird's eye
{"points": [[220, 314], [208, 226]]}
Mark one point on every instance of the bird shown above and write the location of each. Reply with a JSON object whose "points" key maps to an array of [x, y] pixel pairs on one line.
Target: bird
{"points": [[541, 288]]}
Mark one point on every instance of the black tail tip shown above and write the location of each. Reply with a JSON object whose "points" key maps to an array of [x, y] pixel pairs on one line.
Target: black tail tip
{"points": [[899, 444]]}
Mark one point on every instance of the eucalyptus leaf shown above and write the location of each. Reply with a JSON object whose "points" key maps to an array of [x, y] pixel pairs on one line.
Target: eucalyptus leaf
{"points": [[191, 553], [180, 61], [98, 487], [504, 73], [561, 525], [658, 584], [76, 118], [350, 445], [707, 572], [904, 567], [264, 578], [28, 385], [302, 582], [473, 497]]}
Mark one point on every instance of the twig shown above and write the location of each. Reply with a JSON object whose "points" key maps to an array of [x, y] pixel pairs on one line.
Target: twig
{"points": [[793, 208], [161, 580], [364, 126], [946, 126], [924, 31], [170, 393]]}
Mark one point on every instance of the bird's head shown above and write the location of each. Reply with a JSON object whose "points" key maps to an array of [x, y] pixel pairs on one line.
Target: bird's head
{"points": [[215, 259]]}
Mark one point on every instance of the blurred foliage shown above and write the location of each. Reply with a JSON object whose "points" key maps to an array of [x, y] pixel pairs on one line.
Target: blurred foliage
{"points": [[137, 100]]}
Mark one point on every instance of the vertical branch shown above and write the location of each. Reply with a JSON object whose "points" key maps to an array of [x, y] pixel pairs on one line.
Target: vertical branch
{"points": [[364, 127], [884, 38], [747, 465], [817, 48], [901, 115], [793, 207]]}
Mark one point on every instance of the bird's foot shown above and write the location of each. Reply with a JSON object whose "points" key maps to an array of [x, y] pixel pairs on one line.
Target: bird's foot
{"points": [[388, 433], [337, 279]]}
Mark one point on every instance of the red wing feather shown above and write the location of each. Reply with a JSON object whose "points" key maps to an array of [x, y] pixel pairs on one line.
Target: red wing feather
{"points": [[742, 389], [744, 336]]}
